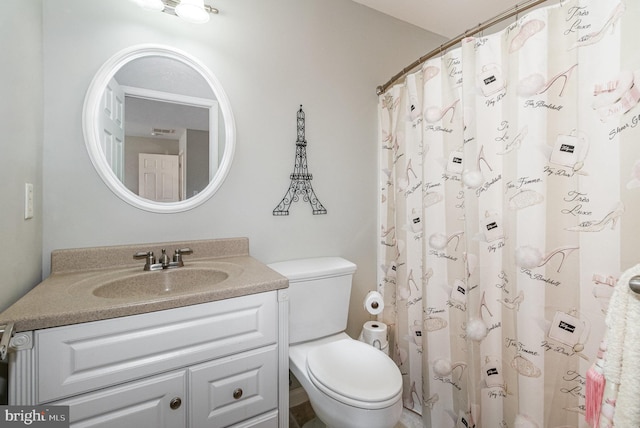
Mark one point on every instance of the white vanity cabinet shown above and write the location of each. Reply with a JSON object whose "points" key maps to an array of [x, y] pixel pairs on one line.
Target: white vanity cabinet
{"points": [[215, 364]]}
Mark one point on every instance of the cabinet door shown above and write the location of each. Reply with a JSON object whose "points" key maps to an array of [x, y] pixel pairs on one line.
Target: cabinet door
{"points": [[149, 403], [233, 389]]}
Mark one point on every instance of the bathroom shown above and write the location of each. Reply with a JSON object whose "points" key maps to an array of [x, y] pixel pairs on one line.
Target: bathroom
{"points": [[270, 57], [267, 67]]}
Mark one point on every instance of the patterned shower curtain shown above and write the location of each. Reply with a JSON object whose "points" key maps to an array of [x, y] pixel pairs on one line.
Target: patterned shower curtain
{"points": [[510, 205]]}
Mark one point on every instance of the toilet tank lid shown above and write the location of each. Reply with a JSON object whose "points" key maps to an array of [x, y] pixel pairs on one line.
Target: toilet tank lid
{"points": [[313, 268]]}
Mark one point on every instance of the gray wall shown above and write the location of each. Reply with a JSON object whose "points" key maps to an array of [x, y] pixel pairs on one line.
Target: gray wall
{"points": [[21, 146], [270, 56], [197, 161]]}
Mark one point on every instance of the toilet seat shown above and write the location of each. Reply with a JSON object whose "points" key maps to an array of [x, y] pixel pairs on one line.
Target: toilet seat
{"points": [[355, 373]]}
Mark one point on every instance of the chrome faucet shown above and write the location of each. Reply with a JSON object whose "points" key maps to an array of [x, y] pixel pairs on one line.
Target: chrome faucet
{"points": [[164, 262]]}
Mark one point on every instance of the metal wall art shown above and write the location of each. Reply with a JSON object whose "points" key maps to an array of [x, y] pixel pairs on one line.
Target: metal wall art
{"points": [[300, 178]]}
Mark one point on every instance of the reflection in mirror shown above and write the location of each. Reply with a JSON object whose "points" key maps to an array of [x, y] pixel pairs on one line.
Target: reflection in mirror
{"points": [[168, 152], [161, 134], [176, 134]]}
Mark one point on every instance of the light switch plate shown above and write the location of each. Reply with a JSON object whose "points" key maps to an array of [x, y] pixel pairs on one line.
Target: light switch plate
{"points": [[28, 201]]}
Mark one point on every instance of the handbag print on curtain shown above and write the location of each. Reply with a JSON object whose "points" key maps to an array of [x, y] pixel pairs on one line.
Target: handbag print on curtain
{"points": [[509, 206]]}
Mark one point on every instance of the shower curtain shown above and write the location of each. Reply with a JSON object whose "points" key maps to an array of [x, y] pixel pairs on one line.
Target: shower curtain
{"points": [[509, 206]]}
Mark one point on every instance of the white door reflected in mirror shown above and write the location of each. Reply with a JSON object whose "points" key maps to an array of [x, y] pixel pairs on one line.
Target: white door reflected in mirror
{"points": [[151, 101], [159, 178]]}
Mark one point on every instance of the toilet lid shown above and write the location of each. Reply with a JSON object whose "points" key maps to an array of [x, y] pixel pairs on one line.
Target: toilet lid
{"points": [[355, 373]]}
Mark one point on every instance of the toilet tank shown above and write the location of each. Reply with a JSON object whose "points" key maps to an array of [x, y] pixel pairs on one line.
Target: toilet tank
{"points": [[319, 293]]}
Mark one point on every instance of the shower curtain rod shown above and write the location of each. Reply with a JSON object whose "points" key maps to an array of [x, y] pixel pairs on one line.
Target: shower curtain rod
{"points": [[521, 7]]}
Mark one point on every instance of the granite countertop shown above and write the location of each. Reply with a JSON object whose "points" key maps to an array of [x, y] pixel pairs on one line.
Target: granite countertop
{"points": [[67, 295]]}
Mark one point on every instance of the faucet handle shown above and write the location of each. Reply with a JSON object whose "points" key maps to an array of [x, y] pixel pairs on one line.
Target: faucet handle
{"points": [[148, 255], [164, 258], [177, 255]]}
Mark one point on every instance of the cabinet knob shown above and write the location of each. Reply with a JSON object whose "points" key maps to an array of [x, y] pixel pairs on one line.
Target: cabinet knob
{"points": [[237, 393], [175, 403]]}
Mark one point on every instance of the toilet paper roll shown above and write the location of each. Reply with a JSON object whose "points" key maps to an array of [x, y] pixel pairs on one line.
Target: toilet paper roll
{"points": [[374, 303], [374, 333]]}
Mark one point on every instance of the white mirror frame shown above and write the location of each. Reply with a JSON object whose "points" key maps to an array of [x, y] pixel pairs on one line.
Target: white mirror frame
{"points": [[92, 106]]}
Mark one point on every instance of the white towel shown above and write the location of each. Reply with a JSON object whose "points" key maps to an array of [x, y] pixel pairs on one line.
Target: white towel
{"points": [[622, 360]]}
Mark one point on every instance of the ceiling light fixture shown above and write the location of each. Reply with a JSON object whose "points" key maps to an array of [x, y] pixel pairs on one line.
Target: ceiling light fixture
{"points": [[190, 10]]}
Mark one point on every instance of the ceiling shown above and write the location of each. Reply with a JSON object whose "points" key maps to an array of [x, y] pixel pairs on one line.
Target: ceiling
{"points": [[448, 18]]}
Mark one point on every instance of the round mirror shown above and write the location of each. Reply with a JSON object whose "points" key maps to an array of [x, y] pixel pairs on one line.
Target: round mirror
{"points": [[159, 128]]}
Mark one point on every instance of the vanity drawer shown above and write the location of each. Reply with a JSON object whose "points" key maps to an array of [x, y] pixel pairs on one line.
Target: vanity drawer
{"points": [[267, 420], [143, 403], [79, 358], [234, 388]]}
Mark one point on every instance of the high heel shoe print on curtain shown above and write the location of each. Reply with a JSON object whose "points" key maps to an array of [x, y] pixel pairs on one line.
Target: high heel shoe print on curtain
{"points": [[473, 178], [404, 290], [444, 367], [483, 304], [435, 114], [440, 241], [408, 400], [388, 236], [516, 142], [528, 257], [535, 83], [597, 226], [404, 182], [596, 36], [514, 303]]}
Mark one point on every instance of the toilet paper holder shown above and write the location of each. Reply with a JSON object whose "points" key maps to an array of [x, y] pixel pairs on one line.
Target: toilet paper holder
{"points": [[374, 333], [374, 303]]}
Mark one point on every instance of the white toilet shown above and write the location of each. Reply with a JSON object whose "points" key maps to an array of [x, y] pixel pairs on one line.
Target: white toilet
{"points": [[350, 384]]}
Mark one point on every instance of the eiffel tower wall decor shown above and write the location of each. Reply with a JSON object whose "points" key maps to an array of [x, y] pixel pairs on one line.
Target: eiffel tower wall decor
{"points": [[300, 178]]}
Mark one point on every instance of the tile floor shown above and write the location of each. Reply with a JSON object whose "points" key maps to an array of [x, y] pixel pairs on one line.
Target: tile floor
{"points": [[300, 415], [303, 413]]}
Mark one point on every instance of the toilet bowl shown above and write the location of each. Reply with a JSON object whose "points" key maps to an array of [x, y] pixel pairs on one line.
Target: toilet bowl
{"points": [[350, 384]]}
